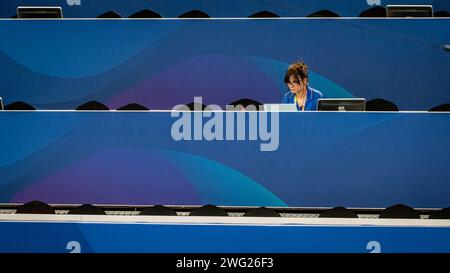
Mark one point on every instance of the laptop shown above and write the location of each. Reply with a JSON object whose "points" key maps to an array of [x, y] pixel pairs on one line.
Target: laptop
{"points": [[409, 11], [280, 107], [341, 104], [39, 12]]}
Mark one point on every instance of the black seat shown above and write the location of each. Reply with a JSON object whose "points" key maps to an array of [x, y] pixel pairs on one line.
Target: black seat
{"points": [[35, 207], [194, 14], [441, 214], [133, 107], [261, 212], [208, 210], [87, 209], [442, 13], [400, 211], [146, 13], [338, 212], [158, 210], [380, 105], [264, 14], [110, 14], [246, 103], [19, 105], [93, 105], [441, 108], [374, 12], [324, 13]]}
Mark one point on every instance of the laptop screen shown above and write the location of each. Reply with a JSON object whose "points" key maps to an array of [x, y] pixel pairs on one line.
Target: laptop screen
{"points": [[347, 104], [409, 11], [1, 103], [39, 12]]}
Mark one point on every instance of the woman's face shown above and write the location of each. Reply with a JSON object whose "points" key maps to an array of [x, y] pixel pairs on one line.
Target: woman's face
{"points": [[295, 85]]}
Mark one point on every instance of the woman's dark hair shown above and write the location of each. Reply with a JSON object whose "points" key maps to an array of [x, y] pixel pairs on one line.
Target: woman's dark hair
{"points": [[298, 69]]}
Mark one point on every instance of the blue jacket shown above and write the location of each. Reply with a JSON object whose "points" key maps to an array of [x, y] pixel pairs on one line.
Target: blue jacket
{"points": [[312, 95]]}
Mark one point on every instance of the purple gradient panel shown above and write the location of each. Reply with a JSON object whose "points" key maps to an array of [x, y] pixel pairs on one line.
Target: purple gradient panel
{"points": [[218, 79], [105, 178]]}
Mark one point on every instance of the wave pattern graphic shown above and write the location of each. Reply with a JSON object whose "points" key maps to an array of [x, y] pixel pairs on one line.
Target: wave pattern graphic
{"points": [[161, 63], [220, 184]]}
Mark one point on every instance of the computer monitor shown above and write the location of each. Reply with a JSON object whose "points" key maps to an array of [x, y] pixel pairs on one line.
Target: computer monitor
{"points": [[1, 103], [409, 11], [344, 104], [39, 12]]}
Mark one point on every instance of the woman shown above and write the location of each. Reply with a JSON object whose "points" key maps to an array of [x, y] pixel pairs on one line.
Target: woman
{"points": [[304, 97]]}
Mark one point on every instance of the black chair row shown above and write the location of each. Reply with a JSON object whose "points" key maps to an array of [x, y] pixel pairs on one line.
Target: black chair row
{"points": [[97, 106], [377, 11], [146, 13], [211, 210], [371, 105], [38, 207], [398, 211], [92, 105]]}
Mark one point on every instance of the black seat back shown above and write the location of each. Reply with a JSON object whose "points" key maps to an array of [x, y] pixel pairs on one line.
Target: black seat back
{"points": [[374, 12], [158, 210], [441, 108], [208, 210], [35, 207], [93, 106], [19, 105], [261, 212], [87, 209], [338, 212], [400, 211], [133, 107], [324, 13], [264, 14], [379, 104], [146, 13], [194, 14], [110, 14]]}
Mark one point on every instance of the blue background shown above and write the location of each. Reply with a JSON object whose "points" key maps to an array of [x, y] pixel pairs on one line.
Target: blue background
{"points": [[161, 63], [369, 160]]}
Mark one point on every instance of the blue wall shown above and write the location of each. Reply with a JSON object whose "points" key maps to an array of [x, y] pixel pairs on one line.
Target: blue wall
{"points": [[161, 63], [322, 160]]}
